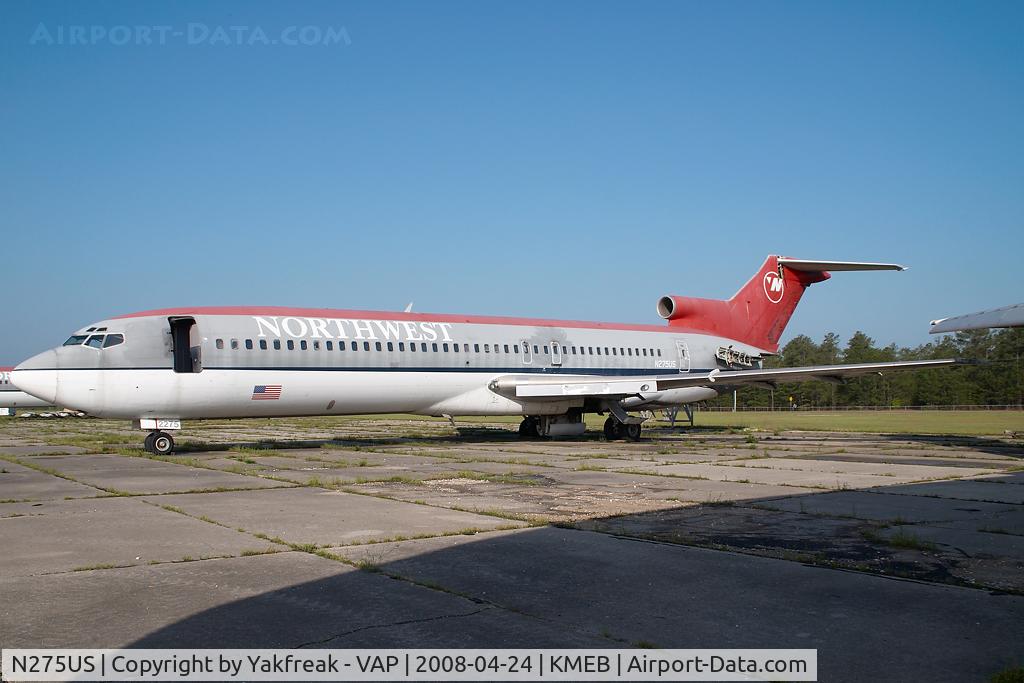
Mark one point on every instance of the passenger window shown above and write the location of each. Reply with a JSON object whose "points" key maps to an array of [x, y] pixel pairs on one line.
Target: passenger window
{"points": [[487, 348], [574, 350], [377, 346], [248, 344], [113, 340], [630, 351], [434, 347], [506, 348], [645, 352], [316, 346], [476, 348], [355, 346], [341, 346], [535, 350], [329, 345], [75, 340], [546, 349], [219, 344], [291, 345], [234, 344], [659, 352], [515, 348], [590, 350], [423, 347], [412, 347], [444, 347], [391, 346], [401, 346], [263, 344], [366, 346], [302, 345], [277, 344]]}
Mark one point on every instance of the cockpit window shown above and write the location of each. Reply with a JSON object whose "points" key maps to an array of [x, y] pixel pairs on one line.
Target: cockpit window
{"points": [[75, 339], [95, 341], [113, 340]]}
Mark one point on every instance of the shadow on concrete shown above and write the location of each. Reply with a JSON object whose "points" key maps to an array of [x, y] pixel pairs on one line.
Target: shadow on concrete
{"points": [[615, 581]]}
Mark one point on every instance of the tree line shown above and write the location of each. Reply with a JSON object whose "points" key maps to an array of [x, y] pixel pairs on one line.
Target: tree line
{"points": [[995, 375]]}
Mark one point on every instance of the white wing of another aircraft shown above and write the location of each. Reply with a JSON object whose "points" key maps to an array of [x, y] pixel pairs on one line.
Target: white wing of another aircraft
{"points": [[560, 387], [1008, 316]]}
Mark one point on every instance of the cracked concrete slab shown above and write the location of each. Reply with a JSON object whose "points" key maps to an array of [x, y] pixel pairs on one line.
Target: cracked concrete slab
{"points": [[312, 515], [41, 449], [724, 473], [886, 507], [284, 600], [18, 482], [896, 471], [968, 541], [69, 535], [145, 476], [964, 489], [674, 596]]}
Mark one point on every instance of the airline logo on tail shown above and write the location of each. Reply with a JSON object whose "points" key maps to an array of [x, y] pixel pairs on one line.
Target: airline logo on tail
{"points": [[773, 286]]}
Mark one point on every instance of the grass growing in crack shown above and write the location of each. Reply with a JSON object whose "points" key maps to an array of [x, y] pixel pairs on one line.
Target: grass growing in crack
{"points": [[91, 567], [905, 539], [1011, 675], [265, 551], [253, 450], [397, 479]]}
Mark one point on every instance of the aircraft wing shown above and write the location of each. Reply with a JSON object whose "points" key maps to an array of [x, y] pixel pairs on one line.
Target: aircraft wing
{"points": [[1008, 316], [622, 386]]}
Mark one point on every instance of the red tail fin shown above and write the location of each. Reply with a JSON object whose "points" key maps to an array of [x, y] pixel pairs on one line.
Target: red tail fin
{"points": [[755, 315]]}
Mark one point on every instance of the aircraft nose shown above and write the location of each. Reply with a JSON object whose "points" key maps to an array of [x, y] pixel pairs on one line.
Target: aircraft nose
{"points": [[38, 376]]}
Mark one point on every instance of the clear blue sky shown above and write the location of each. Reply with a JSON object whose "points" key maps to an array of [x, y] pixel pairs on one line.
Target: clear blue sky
{"points": [[553, 159]]}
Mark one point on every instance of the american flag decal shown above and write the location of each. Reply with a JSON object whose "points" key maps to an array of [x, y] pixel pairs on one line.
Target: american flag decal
{"points": [[266, 392]]}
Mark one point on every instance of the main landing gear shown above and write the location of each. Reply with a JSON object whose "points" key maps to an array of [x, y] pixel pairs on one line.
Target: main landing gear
{"points": [[530, 428], [615, 430], [159, 443]]}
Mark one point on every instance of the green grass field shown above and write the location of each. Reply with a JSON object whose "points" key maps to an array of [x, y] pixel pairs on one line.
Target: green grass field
{"points": [[945, 422], [952, 422]]}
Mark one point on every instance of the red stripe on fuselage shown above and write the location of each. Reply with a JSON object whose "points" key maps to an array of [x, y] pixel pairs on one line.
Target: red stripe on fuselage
{"points": [[285, 312]]}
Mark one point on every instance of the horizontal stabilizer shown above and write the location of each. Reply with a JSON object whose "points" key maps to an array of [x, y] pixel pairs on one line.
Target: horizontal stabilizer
{"points": [[816, 266]]}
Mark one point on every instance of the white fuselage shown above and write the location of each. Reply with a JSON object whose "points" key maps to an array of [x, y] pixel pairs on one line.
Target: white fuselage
{"points": [[241, 364]]}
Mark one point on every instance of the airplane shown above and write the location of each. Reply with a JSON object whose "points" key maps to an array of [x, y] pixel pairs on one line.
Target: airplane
{"points": [[160, 367], [12, 398], [1007, 316]]}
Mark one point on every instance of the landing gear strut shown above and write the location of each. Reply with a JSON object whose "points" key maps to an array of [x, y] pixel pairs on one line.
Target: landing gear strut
{"points": [[615, 430], [159, 443]]}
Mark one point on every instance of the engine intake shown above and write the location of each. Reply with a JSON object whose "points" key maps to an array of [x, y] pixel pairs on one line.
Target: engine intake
{"points": [[670, 307]]}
